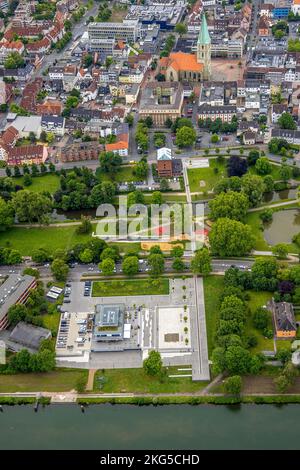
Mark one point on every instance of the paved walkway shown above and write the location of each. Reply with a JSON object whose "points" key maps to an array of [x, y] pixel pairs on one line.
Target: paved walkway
{"points": [[200, 364], [90, 382], [271, 206]]}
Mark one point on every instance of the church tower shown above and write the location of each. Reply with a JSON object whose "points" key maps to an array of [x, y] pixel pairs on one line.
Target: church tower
{"points": [[204, 49]]}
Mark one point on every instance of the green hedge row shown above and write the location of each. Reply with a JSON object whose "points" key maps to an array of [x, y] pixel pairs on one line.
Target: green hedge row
{"points": [[192, 400], [23, 401]]}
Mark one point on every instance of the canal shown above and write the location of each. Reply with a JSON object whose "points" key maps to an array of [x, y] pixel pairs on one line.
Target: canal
{"points": [[147, 427]]}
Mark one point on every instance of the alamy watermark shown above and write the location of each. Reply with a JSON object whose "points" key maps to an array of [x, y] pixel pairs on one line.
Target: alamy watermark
{"points": [[154, 222]]}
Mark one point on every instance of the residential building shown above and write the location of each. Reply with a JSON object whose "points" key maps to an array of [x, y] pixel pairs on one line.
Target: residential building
{"points": [[225, 113], [277, 110], [283, 319], [49, 107], [296, 7], [55, 124], [27, 155], [121, 145]]}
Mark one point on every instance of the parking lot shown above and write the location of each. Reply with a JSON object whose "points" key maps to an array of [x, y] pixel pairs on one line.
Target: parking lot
{"points": [[74, 335]]}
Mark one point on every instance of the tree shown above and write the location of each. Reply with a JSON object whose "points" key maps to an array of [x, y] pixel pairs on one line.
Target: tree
{"points": [[14, 61], [14, 257], [87, 60], [236, 166], [149, 121], [253, 156], [201, 262], [285, 172], [282, 383], [31, 272], [230, 238], [269, 183], [129, 119], [214, 139], [141, 169], [156, 263], [6, 215], [155, 250], [109, 162], [177, 252], [238, 360], [261, 318], [30, 206], [263, 166], [266, 215], [85, 226], [130, 265], [153, 364], [107, 266], [218, 360], [20, 361], [286, 121], [263, 273], [181, 28], [233, 385], [156, 197], [163, 185], [178, 265], [280, 250], [185, 137], [253, 187], [231, 205], [59, 269], [284, 355], [110, 252], [86, 256], [40, 255], [27, 180], [16, 313]]}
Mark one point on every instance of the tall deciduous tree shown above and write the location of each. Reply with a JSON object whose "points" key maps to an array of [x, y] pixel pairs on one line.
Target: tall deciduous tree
{"points": [[232, 205], [230, 238]]}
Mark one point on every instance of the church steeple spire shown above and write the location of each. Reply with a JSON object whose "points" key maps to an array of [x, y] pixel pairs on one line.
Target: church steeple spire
{"points": [[204, 37], [204, 48]]}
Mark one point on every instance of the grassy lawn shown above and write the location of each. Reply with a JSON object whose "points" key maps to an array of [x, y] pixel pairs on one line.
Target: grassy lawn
{"points": [[207, 175], [258, 299], [255, 223], [130, 287], [60, 380], [135, 380], [51, 321], [283, 344], [26, 240], [275, 172], [173, 198], [41, 183], [213, 287], [124, 174], [126, 247]]}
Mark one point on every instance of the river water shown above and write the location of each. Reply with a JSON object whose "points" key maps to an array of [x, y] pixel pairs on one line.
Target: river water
{"points": [[151, 428]]}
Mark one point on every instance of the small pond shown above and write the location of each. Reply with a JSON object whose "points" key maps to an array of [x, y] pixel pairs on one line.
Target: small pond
{"points": [[284, 226], [274, 196]]}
